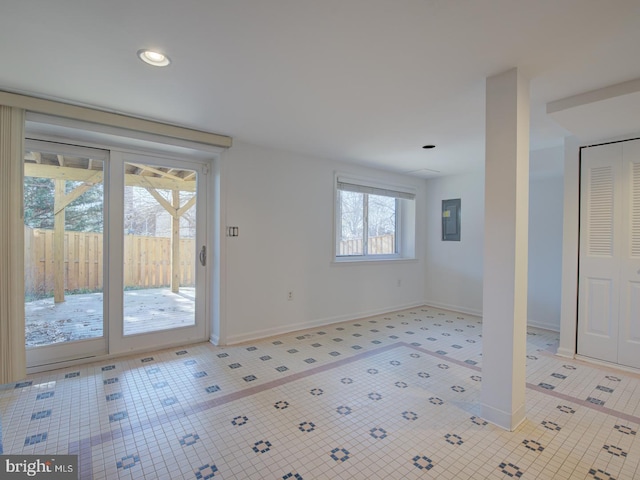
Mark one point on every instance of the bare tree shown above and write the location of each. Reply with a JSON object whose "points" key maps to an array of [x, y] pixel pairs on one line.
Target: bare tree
{"points": [[352, 215], [382, 215]]}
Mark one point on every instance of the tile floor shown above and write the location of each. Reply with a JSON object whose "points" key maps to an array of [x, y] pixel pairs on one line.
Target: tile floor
{"points": [[389, 397]]}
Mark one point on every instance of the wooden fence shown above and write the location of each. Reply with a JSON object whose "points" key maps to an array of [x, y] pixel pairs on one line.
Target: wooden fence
{"points": [[379, 245], [147, 262]]}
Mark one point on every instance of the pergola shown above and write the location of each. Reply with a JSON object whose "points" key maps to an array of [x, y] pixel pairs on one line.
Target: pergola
{"points": [[63, 168]]}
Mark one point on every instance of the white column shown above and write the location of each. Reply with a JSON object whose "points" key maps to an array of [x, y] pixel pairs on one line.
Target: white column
{"points": [[12, 342], [504, 327]]}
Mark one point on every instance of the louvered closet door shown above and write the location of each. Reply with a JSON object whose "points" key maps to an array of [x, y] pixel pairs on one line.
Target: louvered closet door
{"points": [[629, 346], [600, 242]]}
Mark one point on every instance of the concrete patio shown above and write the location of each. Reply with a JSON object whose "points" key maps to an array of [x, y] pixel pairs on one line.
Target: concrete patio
{"points": [[80, 316]]}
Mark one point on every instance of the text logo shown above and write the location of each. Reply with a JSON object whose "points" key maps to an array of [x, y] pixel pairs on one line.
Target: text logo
{"points": [[51, 467]]}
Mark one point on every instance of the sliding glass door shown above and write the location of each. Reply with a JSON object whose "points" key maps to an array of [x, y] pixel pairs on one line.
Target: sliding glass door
{"points": [[115, 252], [164, 250], [64, 261]]}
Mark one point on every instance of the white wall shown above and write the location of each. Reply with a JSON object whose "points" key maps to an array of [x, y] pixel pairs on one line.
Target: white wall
{"points": [[283, 204], [453, 276], [454, 269], [546, 195]]}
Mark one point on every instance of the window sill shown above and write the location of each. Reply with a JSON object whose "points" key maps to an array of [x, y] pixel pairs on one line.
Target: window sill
{"points": [[372, 261]]}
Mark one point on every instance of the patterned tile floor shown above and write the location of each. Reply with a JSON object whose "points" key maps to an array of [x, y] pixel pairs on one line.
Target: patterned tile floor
{"points": [[389, 397]]}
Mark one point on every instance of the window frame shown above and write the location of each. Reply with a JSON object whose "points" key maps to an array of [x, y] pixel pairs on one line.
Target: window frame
{"points": [[404, 243]]}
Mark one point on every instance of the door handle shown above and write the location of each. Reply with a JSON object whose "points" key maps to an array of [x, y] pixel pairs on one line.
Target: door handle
{"points": [[203, 255]]}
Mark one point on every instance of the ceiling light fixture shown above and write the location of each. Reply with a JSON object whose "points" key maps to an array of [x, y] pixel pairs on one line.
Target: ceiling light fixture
{"points": [[429, 146], [151, 57]]}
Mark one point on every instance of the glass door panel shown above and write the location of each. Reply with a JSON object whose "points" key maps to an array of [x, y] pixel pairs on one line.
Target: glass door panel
{"points": [[63, 250], [160, 248], [114, 252]]}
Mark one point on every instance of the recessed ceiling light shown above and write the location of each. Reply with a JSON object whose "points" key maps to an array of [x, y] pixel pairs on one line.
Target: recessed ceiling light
{"points": [[429, 146], [151, 57]]}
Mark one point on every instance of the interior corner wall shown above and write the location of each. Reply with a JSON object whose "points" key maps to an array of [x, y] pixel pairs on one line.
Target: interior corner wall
{"points": [[453, 270], [545, 251], [570, 239], [283, 206]]}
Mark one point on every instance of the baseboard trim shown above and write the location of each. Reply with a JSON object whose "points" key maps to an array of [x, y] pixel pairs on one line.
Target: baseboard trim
{"points": [[608, 365], [454, 308], [295, 327], [472, 311], [543, 325], [565, 352], [502, 419], [285, 329]]}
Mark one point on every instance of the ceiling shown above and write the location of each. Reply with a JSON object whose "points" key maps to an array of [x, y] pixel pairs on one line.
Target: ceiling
{"points": [[365, 81]]}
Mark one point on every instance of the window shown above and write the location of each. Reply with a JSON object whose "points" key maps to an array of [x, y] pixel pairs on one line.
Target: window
{"points": [[373, 221]]}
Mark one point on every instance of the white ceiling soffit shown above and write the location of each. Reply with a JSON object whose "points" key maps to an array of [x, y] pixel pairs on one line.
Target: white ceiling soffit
{"points": [[607, 113]]}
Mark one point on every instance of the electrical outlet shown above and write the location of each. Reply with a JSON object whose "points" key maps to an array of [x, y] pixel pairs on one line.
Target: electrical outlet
{"points": [[290, 295]]}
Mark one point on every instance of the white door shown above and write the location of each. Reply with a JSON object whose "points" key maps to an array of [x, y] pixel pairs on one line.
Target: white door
{"points": [[161, 276], [629, 346], [599, 265], [609, 266]]}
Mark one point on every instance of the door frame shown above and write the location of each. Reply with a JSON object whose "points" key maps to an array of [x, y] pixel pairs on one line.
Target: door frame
{"points": [[118, 342], [622, 213]]}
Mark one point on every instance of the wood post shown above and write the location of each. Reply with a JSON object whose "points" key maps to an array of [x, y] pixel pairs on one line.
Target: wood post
{"points": [[175, 243], [176, 213], [58, 241], [60, 202]]}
